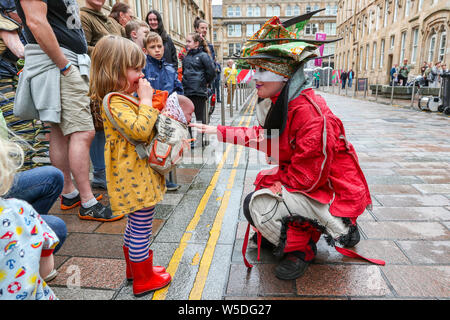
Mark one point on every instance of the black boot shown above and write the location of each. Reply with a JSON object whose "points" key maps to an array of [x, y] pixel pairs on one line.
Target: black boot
{"points": [[291, 266], [352, 238]]}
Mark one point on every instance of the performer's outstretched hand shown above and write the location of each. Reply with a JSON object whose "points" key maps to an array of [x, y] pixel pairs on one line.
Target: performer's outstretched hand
{"points": [[204, 128]]}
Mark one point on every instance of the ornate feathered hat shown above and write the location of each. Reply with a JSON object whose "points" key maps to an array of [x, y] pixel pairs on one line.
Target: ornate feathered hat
{"points": [[276, 47]]}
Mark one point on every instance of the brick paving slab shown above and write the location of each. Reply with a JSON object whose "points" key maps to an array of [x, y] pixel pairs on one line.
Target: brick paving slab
{"points": [[405, 230], [419, 281], [427, 252], [91, 273], [411, 213], [342, 280]]}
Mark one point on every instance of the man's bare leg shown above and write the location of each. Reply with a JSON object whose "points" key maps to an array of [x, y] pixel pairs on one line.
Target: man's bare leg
{"points": [[70, 154], [79, 160]]}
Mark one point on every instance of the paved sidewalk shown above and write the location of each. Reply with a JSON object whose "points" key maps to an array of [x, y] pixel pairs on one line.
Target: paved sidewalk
{"points": [[198, 230]]}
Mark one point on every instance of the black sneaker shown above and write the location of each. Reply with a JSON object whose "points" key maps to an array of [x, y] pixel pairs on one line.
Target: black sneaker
{"points": [[98, 212], [67, 204], [291, 267]]}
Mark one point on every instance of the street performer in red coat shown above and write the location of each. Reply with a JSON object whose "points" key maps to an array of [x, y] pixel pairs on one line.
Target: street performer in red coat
{"points": [[317, 186]]}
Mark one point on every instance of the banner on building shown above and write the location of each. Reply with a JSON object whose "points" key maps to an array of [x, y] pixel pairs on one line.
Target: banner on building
{"points": [[321, 37]]}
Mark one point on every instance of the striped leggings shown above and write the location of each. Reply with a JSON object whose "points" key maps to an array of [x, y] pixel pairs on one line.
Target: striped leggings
{"points": [[138, 233]]}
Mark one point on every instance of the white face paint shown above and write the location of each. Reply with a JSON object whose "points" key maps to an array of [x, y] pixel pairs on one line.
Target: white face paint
{"points": [[267, 76]]}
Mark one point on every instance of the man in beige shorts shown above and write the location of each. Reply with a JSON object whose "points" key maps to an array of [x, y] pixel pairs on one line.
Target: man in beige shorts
{"points": [[55, 83]]}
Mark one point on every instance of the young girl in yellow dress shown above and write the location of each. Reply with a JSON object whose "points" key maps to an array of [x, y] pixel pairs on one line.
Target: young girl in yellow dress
{"points": [[133, 187]]}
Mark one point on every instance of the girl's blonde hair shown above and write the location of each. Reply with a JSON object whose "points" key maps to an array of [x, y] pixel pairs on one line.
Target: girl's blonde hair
{"points": [[111, 58], [11, 159]]}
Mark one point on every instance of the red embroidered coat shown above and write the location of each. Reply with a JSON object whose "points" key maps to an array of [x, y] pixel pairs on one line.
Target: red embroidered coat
{"points": [[313, 156]]}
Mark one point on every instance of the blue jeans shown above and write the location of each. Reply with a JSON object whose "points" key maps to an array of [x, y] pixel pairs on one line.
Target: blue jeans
{"points": [[350, 82], [97, 151], [40, 187]]}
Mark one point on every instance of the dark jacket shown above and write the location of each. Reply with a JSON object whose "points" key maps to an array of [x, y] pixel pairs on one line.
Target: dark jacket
{"points": [[198, 71], [170, 52], [162, 76]]}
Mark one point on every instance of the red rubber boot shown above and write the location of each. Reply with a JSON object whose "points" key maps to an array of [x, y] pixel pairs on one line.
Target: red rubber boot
{"points": [[156, 269], [144, 279]]}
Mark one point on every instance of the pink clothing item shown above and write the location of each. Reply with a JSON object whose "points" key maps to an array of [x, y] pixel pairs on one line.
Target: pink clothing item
{"points": [[173, 109]]}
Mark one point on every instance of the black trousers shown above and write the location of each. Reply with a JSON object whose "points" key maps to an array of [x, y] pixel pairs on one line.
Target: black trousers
{"points": [[199, 108]]}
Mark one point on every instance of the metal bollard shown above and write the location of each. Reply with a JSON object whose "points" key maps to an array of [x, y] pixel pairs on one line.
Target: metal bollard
{"points": [[412, 95], [365, 88], [222, 105], [231, 99], [376, 92], [392, 93]]}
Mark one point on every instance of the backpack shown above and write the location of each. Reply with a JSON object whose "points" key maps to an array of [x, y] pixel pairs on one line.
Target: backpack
{"points": [[165, 150]]}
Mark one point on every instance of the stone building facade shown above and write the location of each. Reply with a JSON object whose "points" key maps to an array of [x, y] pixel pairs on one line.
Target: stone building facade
{"points": [[377, 34], [178, 15], [237, 20]]}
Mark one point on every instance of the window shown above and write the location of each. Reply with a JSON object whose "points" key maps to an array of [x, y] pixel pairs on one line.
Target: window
{"points": [[311, 28], [252, 28], [330, 28], [442, 43], [184, 18], [234, 48], [329, 48], [392, 42], [272, 11], [308, 8], [386, 13], [377, 18], [407, 7], [253, 11], [367, 57], [346, 62], [415, 45], [360, 58], [432, 48], [395, 11], [292, 10], [374, 55], [249, 11], [419, 7], [177, 4], [382, 53], [334, 10], [234, 30], [138, 8], [234, 11], [170, 14], [402, 47], [289, 11]]}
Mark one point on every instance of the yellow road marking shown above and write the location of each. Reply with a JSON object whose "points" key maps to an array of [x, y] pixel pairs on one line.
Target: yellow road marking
{"points": [[178, 254], [208, 253]]}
